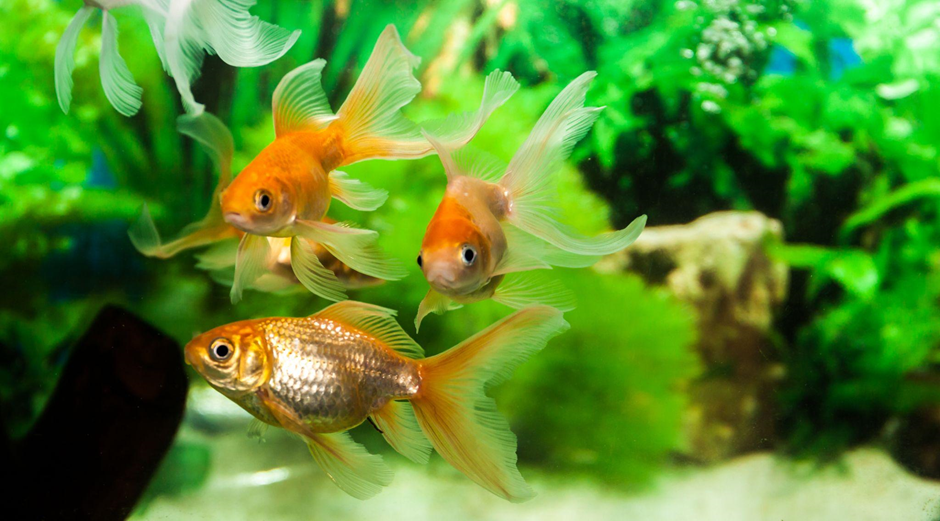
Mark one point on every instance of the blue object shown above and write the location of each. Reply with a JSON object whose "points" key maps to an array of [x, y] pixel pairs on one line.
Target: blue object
{"points": [[842, 57]]}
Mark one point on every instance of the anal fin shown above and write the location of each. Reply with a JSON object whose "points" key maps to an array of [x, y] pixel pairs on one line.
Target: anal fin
{"points": [[349, 464], [396, 421]]}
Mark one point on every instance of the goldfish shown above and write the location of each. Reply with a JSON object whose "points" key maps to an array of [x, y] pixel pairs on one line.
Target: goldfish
{"points": [[497, 220], [220, 261], [209, 132], [322, 375], [183, 31], [286, 190]]}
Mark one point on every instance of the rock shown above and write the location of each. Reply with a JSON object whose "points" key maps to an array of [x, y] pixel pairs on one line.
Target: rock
{"points": [[718, 265], [104, 431]]}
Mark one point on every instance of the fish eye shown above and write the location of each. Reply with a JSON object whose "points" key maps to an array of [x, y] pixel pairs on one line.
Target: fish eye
{"points": [[420, 265], [221, 350], [263, 200], [468, 255]]}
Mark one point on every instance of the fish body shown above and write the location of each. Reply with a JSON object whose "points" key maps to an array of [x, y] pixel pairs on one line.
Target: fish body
{"points": [[325, 375], [464, 241], [322, 375], [497, 220], [291, 174]]}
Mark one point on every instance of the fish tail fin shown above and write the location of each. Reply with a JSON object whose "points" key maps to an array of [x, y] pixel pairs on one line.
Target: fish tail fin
{"points": [[65, 57], [144, 235], [529, 179], [457, 129], [457, 416], [223, 27], [371, 123], [146, 239], [116, 79], [216, 140]]}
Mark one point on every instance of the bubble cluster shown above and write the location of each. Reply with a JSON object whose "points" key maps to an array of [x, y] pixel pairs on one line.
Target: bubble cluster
{"points": [[733, 35]]}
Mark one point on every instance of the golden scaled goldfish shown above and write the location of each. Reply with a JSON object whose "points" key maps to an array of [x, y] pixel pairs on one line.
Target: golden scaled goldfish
{"points": [[287, 189], [325, 374], [496, 220], [183, 31]]}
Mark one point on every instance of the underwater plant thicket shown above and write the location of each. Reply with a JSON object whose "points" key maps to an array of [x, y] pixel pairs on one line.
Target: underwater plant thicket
{"points": [[821, 114]]}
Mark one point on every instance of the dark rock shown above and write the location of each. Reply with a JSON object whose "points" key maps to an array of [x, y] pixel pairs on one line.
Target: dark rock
{"points": [[112, 417]]}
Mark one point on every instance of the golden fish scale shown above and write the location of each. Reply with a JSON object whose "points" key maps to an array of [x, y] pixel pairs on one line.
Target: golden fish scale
{"points": [[332, 376]]}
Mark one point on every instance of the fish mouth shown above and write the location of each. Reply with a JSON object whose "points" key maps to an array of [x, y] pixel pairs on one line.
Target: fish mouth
{"points": [[447, 283], [236, 219]]}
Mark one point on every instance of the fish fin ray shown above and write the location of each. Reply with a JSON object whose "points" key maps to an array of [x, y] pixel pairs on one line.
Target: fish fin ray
{"points": [[370, 119], [216, 140], [219, 256], [355, 247], [65, 57], [377, 321], [146, 239], [250, 263], [396, 420], [457, 416], [457, 129], [525, 252], [312, 274], [300, 102], [353, 469], [435, 303], [529, 288], [116, 79], [355, 193], [529, 179], [257, 429], [222, 27]]}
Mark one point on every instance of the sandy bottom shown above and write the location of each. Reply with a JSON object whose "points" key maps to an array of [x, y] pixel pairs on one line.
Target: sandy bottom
{"points": [[276, 480]]}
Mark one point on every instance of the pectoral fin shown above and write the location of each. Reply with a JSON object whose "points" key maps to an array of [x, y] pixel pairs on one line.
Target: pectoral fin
{"points": [[311, 273], [355, 247], [349, 464], [435, 303], [526, 289], [250, 263]]}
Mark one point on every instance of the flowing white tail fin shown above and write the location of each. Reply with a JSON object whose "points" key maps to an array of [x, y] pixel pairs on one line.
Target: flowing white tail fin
{"points": [[529, 177], [460, 420], [183, 31], [223, 27]]}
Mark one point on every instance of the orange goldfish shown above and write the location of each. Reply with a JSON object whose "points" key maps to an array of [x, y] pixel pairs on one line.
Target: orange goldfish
{"points": [[497, 220], [322, 375], [286, 190]]}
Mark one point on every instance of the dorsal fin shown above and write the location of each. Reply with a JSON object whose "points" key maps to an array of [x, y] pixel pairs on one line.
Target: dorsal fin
{"points": [[300, 102], [376, 321]]}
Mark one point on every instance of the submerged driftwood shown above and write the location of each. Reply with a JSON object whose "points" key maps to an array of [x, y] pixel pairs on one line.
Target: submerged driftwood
{"points": [[718, 264], [111, 419]]}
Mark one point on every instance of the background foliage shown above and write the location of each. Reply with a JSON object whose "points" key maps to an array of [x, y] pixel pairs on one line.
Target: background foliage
{"points": [[822, 114]]}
